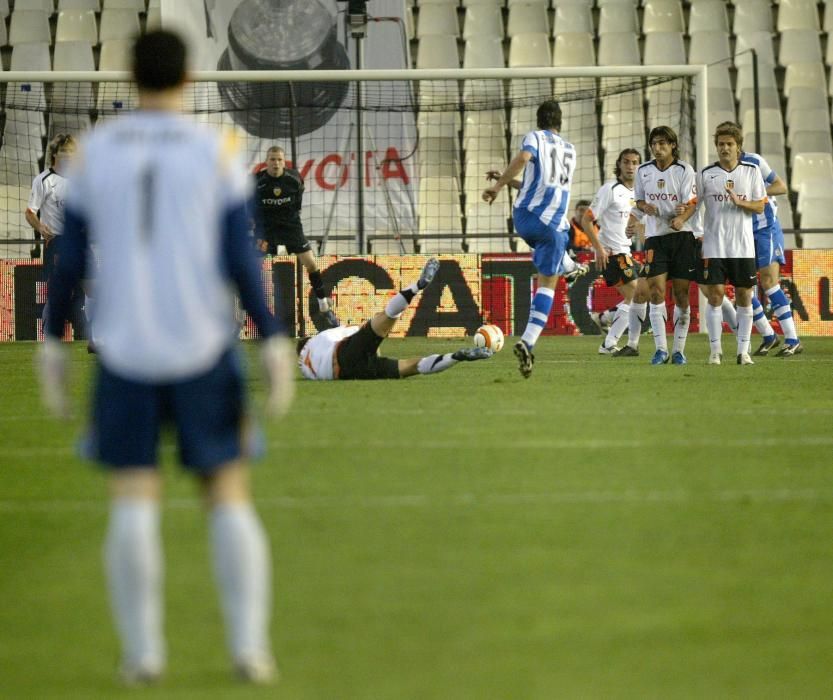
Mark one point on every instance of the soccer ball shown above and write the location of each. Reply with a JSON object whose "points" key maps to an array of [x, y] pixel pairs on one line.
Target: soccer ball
{"points": [[489, 336]]}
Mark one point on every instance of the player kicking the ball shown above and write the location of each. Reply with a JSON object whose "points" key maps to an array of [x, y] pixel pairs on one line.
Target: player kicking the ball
{"points": [[352, 352], [731, 192]]}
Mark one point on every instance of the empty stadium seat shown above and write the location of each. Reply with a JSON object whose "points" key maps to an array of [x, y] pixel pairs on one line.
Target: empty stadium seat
{"points": [[817, 214], [816, 188], [484, 132], [439, 212], [13, 201], [94, 5], [722, 99], [664, 48], [709, 47], [135, 5], [745, 79], [768, 98], [484, 51], [77, 25], [574, 50], [803, 99], [619, 50], [804, 75], [828, 18], [115, 54], [483, 21], [29, 56], [809, 120], [799, 46], [29, 26], [438, 51], [154, 19], [617, 18], [570, 19], [527, 19], [119, 24], [437, 19], [810, 166], [752, 16], [708, 16], [662, 16], [47, 6], [798, 14], [529, 50], [17, 167], [810, 142], [760, 42], [770, 119], [4, 8]]}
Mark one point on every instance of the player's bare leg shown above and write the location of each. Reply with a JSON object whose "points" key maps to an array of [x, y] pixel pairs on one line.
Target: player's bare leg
{"points": [[682, 319], [658, 315], [134, 568], [243, 569], [325, 306]]}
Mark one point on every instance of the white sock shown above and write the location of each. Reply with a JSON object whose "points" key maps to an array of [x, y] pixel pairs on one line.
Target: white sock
{"points": [[782, 311], [714, 326], [323, 304], [635, 320], [399, 302], [608, 315], [242, 565], [568, 264], [744, 328], [759, 318], [435, 363], [620, 323], [730, 316], [539, 314], [657, 314], [682, 319], [133, 562]]}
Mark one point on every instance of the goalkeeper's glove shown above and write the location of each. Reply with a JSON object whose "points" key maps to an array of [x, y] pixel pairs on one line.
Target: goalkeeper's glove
{"points": [[51, 362], [279, 362]]}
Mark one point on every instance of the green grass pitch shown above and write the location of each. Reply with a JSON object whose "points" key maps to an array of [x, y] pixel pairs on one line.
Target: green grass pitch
{"points": [[605, 529]]}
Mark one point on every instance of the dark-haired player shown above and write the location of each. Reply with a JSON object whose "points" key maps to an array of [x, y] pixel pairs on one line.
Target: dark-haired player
{"points": [[278, 195], [664, 190], [352, 352], [547, 162], [612, 210], [170, 242]]}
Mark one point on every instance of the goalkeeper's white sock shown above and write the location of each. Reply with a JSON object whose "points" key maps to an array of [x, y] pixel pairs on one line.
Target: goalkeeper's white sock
{"points": [[398, 303], [133, 561], [244, 574], [435, 363]]}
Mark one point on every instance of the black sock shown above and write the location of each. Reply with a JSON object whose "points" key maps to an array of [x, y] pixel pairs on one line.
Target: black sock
{"points": [[317, 284]]}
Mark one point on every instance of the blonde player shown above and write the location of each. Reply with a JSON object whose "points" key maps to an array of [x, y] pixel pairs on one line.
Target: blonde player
{"points": [[165, 314], [730, 192]]}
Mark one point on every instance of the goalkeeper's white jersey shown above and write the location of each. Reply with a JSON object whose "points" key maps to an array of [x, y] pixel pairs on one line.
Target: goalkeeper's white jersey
{"points": [[727, 229], [316, 358], [49, 190], [611, 208], [156, 192], [665, 189]]}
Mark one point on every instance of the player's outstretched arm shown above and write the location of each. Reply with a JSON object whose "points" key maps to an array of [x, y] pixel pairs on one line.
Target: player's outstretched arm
{"points": [[511, 173]]}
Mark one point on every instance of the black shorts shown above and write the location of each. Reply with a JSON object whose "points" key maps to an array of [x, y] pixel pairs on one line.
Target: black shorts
{"points": [[673, 253], [358, 358], [621, 269], [741, 272], [291, 238]]}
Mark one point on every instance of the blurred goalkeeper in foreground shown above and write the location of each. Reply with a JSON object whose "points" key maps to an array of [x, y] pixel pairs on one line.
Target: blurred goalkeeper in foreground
{"points": [[170, 241], [352, 352]]}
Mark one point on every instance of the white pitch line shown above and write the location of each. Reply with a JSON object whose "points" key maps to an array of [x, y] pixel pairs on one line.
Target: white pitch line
{"points": [[508, 443], [462, 500]]}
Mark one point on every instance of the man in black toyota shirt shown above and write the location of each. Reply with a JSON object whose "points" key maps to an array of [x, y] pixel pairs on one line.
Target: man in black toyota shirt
{"points": [[278, 194]]}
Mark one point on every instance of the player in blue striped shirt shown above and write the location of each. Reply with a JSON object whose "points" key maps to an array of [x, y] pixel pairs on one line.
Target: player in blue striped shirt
{"points": [[547, 162]]}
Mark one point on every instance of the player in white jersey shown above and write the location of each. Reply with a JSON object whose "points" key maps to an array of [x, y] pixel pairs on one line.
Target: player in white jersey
{"points": [[171, 241], [612, 210], [45, 209], [540, 214], [730, 192], [769, 256], [353, 352], [664, 190]]}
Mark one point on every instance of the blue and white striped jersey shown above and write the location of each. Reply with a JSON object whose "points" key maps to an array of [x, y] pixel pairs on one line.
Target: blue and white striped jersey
{"points": [[767, 218], [545, 189]]}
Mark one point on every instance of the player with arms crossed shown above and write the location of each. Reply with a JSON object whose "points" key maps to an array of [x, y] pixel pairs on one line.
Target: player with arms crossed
{"points": [[352, 352], [730, 192], [540, 214], [769, 256], [612, 208], [664, 190], [170, 241], [278, 195]]}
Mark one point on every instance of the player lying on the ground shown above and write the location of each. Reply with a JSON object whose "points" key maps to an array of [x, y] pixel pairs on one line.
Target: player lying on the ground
{"points": [[352, 352]]}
